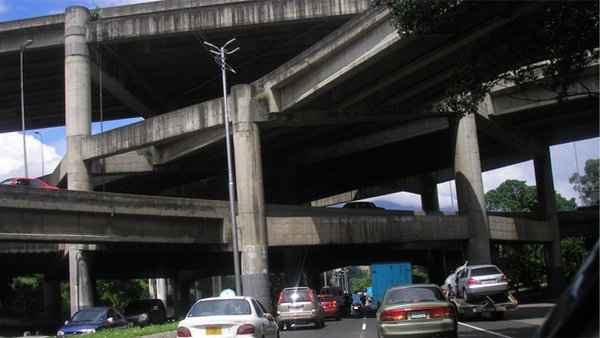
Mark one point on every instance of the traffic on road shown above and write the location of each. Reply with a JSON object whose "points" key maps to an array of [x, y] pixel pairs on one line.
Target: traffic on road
{"points": [[522, 323]]}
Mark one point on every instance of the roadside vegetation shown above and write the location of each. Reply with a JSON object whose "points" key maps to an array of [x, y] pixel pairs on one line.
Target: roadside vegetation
{"points": [[135, 331]]}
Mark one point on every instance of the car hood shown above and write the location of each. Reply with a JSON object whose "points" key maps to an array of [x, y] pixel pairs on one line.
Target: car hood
{"points": [[80, 326]]}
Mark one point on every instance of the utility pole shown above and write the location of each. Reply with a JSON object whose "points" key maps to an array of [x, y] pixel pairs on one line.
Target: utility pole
{"points": [[221, 54]]}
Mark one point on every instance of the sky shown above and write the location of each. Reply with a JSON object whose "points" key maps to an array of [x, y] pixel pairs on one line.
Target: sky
{"points": [[49, 144]]}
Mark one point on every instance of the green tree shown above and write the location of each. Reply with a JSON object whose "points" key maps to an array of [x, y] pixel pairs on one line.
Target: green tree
{"points": [[548, 47], [588, 183], [517, 196], [119, 292]]}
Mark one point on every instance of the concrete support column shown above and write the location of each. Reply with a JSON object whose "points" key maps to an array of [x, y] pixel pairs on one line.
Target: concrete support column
{"points": [[52, 302], [469, 187], [547, 202], [80, 281], [293, 264], [78, 99], [217, 285], [250, 193], [429, 198], [161, 290], [181, 298]]}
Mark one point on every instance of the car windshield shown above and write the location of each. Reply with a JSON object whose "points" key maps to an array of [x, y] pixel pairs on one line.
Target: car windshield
{"points": [[220, 307], [94, 315], [7, 181], [484, 271], [291, 296], [414, 295], [326, 298], [138, 307]]}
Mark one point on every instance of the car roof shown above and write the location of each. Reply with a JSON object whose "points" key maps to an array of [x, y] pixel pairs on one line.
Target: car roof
{"points": [[297, 288], [420, 285], [481, 266], [96, 308], [225, 297]]}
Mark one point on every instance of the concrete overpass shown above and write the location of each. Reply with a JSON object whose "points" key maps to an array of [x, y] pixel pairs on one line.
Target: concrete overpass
{"points": [[315, 115]]}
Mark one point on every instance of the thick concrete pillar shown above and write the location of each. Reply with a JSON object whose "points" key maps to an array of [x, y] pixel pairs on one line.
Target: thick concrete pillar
{"points": [[181, 298], [469, 187], [78, 99], [52, 302], [293, 267], [80, 282], [547, 202], [429, 198], [161, 290], [252, 221]]}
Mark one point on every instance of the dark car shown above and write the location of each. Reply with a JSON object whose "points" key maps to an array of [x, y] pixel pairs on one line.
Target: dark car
{"points": [[27, 182], [92, 319], [361, 205], [146, 311]]}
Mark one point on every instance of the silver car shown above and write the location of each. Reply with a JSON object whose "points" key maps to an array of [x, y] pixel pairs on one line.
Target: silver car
{"points": [[478, 280], [299, 305]]}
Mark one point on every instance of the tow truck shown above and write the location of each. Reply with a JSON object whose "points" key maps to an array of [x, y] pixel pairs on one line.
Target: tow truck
{"points": [[496, 304]]}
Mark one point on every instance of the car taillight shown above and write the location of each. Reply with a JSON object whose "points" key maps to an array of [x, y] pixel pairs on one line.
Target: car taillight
{"points": [[246, 329], [392, 315], [503, 277], [183, 332], [280, 298], [471, 281], [441, 312], [311, 296], [334, 303]]}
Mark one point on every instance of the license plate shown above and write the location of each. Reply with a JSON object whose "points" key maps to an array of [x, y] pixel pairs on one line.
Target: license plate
{"points": [[418, 315], [211, 330], [296, 309]]}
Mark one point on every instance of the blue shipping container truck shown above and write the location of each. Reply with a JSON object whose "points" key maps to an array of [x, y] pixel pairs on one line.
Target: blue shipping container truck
{"points": [[384, 276]]}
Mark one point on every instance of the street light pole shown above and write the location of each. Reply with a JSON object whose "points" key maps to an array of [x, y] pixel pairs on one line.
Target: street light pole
{"points": [[42, 148], [27, 43], [221, 53]]}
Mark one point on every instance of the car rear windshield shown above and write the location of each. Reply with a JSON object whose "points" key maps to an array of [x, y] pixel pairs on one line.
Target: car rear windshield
{"points": [[414, 295], [484, 271], [326, 298], [220, 307], [291, 296]]}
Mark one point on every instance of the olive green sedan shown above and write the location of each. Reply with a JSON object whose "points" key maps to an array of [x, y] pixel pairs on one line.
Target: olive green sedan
{"points": [[416, 310]]}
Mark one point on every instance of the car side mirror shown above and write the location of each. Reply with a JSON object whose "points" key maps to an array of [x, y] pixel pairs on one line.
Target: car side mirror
{"points": [[66, 322], [269, 317], [110, 320]]}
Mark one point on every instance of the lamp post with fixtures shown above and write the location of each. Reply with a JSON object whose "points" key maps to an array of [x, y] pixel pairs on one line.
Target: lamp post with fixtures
{"points": [[42, 148], [27, 43]]}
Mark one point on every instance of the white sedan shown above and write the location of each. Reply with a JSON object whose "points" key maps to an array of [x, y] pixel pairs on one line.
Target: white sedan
{"points": [[230, 316]]}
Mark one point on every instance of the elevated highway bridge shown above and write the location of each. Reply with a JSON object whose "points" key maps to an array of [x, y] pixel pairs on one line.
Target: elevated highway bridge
{"points": [[328, 104]]}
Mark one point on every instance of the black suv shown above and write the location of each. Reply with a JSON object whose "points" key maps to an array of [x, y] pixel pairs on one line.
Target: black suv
{"points": [[145, 312]]}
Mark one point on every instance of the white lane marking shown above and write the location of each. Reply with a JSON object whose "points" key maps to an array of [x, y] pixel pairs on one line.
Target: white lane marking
{"points": [[364, 328], [484, 330]]}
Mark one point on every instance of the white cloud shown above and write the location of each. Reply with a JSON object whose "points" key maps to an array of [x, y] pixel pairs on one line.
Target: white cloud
{"points": [[12, 156], [3, 7]]}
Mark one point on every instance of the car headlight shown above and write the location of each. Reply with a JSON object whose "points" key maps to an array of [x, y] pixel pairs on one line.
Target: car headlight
{"points": [[60, 334]]}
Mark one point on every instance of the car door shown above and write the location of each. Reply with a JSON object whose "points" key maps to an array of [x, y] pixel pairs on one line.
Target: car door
{"points": [[461, 281], [266, 320]]}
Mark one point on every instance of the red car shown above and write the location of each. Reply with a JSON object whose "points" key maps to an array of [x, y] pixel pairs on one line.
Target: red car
{"points": [[27, 182], [330, 306]]}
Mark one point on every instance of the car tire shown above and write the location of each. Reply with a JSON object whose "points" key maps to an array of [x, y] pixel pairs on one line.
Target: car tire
{"points": [[497, 315]]}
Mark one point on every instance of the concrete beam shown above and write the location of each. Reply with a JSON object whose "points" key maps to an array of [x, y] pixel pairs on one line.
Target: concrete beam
{"points": [[164, 18], [45, 31], [157, 130], [379, 227]]}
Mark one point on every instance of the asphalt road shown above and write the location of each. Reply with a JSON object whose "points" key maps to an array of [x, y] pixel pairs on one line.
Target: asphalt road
{"points": [[522, 323]]}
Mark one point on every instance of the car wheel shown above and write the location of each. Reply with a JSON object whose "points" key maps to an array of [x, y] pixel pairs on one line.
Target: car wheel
{"points": [[497, 315]]}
